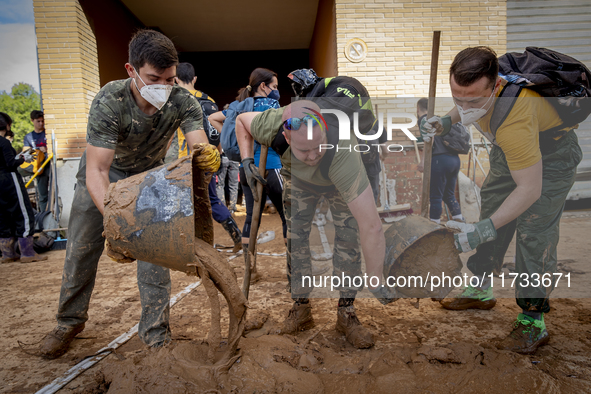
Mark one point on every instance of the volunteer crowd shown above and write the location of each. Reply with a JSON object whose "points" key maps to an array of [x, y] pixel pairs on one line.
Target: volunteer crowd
{"points": [[157, 115]]}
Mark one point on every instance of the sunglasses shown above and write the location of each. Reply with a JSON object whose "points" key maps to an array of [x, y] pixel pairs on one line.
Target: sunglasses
{"points": [[292, 124]]}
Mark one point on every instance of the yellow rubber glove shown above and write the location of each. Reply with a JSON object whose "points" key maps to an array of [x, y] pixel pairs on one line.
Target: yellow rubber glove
{"points": [[208, 157]]}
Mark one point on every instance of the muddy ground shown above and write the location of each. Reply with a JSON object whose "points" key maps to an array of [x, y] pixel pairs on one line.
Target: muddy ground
{"points": [[419, 350]]}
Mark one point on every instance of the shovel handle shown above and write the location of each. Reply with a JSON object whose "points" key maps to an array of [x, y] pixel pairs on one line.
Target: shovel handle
{"points": [[428, 147], [254, 228]]}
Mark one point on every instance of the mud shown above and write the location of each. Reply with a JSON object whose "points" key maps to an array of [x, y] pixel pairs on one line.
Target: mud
{"points": [[216, 274], [433, 254], [418, 249], [277, 364], [417, 350]]}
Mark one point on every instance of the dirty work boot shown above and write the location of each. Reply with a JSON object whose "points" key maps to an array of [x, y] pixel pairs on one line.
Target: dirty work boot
{"points": [[28, 254], [527, 336], [7, 248], [57, 342], [471, 298], [299, 318], [349, 324], [232, 228]]}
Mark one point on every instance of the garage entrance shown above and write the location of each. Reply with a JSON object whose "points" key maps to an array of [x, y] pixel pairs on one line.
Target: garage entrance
{"points": [[224, 41]]}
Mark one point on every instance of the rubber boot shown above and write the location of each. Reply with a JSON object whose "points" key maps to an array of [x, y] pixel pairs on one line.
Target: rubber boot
{"points": [[299, 318], [7, 248], [232, 228], [28, 254], [349, 325]]}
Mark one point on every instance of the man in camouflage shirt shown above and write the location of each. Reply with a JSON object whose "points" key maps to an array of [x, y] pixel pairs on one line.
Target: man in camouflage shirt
{"points": [[130, 124], [308, 175]]}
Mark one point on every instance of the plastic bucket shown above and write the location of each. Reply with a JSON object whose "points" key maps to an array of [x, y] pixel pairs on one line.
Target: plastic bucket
{"points": [[419, 254]]}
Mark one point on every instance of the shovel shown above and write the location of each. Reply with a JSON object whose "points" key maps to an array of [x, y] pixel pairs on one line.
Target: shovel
{"points": [[254, 228]]}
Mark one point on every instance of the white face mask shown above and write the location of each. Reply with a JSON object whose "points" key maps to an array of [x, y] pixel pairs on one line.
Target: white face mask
{"points": [[471, 115], [155, 94]]}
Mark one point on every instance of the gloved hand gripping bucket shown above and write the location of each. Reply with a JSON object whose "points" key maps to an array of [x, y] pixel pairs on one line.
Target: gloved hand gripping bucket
{"points": [[155, 216], [416, 246]]}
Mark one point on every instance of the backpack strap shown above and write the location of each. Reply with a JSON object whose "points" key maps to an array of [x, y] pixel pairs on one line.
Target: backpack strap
{"points": [[326, 162], [510, 93], [204, 96], [279, 143]]}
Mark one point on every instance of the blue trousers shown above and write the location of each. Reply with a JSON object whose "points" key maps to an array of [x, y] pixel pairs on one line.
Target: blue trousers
{"points": [[444, 175], [219, 212]]}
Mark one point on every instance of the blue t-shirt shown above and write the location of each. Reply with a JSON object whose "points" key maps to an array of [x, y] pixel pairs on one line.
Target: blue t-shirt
{"points": [[262, 104], [35, 140]]}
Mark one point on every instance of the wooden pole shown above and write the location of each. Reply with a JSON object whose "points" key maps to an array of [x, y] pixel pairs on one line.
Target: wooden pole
{"points": [[254, 227], [417, 152], [427, 149]]}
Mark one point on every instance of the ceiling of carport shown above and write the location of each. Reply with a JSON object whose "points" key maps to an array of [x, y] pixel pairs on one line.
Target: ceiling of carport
{"points": [[230, 25]]}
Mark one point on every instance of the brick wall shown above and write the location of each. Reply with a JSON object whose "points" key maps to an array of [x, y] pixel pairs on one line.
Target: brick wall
{"points": [[68, 64], [399, 36]]}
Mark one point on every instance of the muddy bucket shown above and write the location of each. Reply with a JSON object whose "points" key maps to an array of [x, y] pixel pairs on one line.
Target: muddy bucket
{"points": [[418, 249], [155, 216]]}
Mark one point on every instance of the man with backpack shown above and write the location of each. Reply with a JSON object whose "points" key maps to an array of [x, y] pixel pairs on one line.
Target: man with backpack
{"points": [[310, 173], [349, 95], [445, 166], [185, 78], [532, 168]]}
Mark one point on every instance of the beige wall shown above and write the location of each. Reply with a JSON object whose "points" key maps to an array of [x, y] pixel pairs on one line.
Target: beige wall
{"points": [[68, 64], [399, 34]]}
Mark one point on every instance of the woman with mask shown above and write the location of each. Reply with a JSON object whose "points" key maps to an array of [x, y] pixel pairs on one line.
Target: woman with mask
{"points": [[262, 87]]}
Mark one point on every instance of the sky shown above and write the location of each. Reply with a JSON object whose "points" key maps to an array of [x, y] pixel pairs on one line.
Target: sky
{"points": [[18, 54]]}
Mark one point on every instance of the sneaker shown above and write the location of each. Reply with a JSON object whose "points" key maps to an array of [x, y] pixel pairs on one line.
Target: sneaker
{"points": [[298, 319], [527, 336], [57, 342], [349, 325], [471, 298]]}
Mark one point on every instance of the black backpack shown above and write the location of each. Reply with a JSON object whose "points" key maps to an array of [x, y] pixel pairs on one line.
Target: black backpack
{"points": [[457, 140], [553, 75], [348, 95], [208, 107]]}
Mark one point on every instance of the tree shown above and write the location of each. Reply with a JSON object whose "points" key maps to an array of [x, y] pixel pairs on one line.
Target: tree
{"points": [[18, 105]]}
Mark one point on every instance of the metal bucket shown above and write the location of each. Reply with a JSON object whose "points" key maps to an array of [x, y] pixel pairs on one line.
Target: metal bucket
{"points": [[158, 214], [418, 247]]}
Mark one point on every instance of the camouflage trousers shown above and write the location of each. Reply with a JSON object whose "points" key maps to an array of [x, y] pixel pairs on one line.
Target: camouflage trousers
{"points": [[85, 247], [537, 228], [300, 199]]}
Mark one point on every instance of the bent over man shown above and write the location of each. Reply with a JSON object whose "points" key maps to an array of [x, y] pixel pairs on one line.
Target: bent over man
{"points": [[309, 173], [531, 173]]}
